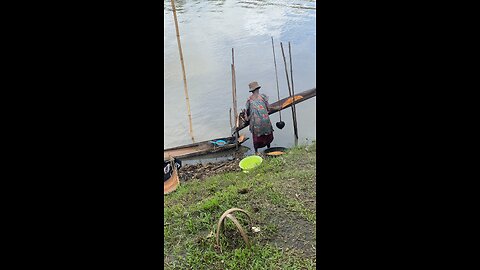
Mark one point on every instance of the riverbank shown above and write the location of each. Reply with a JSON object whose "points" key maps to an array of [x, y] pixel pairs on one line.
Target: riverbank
{"points": [[201, 171], [281, 198]]}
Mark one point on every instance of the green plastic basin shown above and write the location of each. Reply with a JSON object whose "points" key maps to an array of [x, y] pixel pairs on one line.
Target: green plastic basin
{"points": [[250, 163]]}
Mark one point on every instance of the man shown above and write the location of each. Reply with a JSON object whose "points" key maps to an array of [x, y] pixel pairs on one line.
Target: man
{"points": [[257, 113]]}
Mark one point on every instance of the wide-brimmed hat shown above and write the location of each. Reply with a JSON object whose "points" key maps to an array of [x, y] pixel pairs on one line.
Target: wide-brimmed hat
{"points": [[253, 86]]}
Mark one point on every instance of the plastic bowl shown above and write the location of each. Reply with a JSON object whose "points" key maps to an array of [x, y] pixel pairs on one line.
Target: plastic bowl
{"points": [[275, 151], [250, 163]]}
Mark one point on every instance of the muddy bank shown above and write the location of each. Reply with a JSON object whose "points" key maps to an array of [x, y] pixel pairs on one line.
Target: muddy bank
{"points": [[202, 171]]}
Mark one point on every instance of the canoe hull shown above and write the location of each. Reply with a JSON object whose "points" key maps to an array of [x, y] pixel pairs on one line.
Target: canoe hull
{"points": [[171, 184], [201, 148]]}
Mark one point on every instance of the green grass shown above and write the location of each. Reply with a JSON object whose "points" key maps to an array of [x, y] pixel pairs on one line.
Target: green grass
{"points": [[280, 197]]}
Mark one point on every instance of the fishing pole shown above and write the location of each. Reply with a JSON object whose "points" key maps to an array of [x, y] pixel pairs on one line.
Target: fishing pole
{"points": [[280, 124], [234, 95], [289, 91], [293, 93]]}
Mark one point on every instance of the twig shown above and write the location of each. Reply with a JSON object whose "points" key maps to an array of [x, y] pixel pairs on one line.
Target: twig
{"points": [[218, 167]]}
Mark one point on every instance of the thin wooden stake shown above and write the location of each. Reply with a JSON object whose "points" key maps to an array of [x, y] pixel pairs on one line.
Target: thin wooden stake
{"points": [[276, 76], [230, 113], [234, 96], [183, 70], [293, 93], [289, 91]]}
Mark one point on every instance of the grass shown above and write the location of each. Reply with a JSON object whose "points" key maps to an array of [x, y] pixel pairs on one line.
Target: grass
{"points": [[280, 197]]}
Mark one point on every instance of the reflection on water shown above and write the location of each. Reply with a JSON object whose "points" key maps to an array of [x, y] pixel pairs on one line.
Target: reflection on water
{"points": [[209, 30]]}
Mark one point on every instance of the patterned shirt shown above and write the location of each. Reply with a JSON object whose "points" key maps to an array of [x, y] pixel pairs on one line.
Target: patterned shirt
{"points": [[257, 109]]}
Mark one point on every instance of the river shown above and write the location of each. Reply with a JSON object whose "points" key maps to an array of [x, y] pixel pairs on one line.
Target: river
{"points": [[209, 30]]}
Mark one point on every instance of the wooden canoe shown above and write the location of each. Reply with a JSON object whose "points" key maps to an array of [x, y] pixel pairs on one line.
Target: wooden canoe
{"points": [[172, 183], [281, 105], [202, 148]]}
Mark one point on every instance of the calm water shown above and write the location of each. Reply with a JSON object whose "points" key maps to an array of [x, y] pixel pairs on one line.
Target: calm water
{"points": [[209, 30]]}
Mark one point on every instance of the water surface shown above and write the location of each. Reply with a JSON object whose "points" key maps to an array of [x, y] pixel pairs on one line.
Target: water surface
{"points": [[209, 30]]}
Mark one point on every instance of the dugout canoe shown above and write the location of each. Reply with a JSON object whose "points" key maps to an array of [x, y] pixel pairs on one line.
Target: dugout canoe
{"points": [[172, 183], [202, 148], [283, 103]]}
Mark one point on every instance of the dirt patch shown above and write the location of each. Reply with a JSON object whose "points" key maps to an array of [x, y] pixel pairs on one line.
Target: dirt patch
{"points": [[202, 171], [293, 232], [285, 229], [303, 191]]}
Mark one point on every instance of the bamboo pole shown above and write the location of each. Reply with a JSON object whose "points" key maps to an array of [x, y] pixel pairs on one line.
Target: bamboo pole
{"points": [[183, 71], [230, 113], [276, 76], [289, 90], [234, 96], [293, 93]]}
